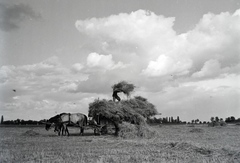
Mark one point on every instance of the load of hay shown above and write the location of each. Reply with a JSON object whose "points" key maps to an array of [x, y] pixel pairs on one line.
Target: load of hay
{"points": [[134, 111], [124, 87]]}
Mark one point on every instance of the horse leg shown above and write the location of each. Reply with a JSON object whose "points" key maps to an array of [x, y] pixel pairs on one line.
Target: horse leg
{"points": [[81, 130], [57, 129], [116, 128], [63, 129], [67, 131]]}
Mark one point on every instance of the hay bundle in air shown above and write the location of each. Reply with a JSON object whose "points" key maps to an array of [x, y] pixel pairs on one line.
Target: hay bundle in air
{"points": [[124, 87]]}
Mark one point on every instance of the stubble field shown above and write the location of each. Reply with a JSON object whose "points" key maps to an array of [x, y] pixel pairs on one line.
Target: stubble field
{"points": [[173, 143]]}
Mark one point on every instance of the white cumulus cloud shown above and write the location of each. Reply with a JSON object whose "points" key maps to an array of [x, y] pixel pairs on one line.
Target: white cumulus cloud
{"points": [[102, 61], [165, 65]]}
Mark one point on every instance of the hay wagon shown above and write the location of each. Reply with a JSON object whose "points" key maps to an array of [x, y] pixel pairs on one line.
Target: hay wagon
{"points": [[101, 127]]}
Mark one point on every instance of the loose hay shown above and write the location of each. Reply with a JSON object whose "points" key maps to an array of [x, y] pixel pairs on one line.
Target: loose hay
{"points": [[188, 147], [196, 130], [30, 133], [130, 131]]}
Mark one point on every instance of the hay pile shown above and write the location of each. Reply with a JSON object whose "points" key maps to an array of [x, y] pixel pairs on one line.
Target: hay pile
{"points": [[214, 123], [30, 133], [132, 111], [189, 148], [124, 87], [196, 130], [131, 131]]}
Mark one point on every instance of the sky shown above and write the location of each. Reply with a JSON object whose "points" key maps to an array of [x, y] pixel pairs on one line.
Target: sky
{"points": [[59, 56]]}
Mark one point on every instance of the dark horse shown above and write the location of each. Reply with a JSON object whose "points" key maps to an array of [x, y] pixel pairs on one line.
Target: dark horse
{"points": [[61, 121]]}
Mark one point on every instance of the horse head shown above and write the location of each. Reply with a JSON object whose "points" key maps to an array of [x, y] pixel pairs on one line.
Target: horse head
{"points": [[48, 125]]}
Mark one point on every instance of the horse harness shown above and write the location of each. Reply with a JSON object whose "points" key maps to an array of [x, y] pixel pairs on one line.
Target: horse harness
{"points": [[69, 119]]}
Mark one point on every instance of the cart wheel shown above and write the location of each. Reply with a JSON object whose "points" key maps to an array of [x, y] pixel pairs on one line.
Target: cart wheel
{"points": [[104, 129], [97, 132]]}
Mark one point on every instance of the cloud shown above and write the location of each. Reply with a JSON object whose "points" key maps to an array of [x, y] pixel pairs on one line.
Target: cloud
{"points": [[211, 68], [173, 70], [165, 65], [215, 40], [137, 26], [149, 40], [77, 67], [194, 71], [102, 61], [16, 97], [69, 87], [142, 33], [12, 15], [47, 67], [215, 37], [45, 76], [202, 99]]}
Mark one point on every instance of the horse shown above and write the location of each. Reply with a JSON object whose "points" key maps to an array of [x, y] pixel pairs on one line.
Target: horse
{"points": [[61, 121], [61, 127]]}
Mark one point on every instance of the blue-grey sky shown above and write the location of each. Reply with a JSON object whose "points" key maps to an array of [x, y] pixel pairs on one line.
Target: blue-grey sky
{"points": [[183, 55]]}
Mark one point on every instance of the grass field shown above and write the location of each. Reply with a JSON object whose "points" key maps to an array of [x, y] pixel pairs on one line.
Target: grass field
{"points": [[175, 143]]}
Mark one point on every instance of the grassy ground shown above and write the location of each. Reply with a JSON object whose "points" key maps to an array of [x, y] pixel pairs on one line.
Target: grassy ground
{"points": [[172, 144]]}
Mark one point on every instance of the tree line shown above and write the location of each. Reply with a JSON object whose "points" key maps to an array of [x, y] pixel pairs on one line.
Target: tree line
{"points": [[153, 120], [20, 122], [171, 120]]}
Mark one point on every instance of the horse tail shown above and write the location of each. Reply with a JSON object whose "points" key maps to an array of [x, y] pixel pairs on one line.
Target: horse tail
{"points": [[85, 120]]}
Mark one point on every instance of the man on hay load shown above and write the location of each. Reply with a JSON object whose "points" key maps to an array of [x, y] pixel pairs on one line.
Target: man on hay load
{"points": [[122, 86]]}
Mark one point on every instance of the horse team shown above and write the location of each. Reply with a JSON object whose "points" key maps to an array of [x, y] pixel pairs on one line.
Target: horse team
{"points": [[61, 121]]}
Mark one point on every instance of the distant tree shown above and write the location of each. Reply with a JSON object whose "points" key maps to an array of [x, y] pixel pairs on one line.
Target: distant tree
{"points": [[193, 121], [166, 119], [196, 121], [2, 119], [212, 119], [17, 121], [172, 120], [232, 119], [228, 119], [217, 119], [178, 120]]}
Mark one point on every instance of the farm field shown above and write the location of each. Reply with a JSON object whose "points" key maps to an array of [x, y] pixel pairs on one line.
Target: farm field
{"points": [[173, 143]]}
